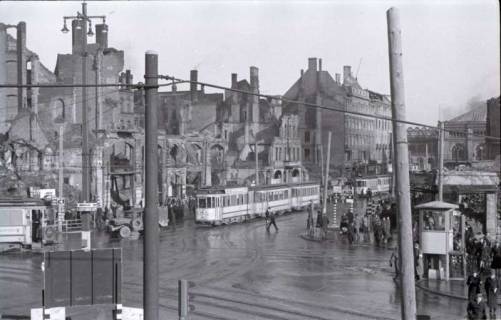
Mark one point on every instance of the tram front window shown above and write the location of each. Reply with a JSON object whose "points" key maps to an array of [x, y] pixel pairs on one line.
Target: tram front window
{"points": [[201, 203]]}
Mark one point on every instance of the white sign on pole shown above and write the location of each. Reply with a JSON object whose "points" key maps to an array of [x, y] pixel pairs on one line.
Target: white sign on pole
{"points": [[57, 313]]}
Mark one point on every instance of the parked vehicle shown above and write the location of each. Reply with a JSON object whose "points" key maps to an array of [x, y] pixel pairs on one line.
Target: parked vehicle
{"points": [[24, 222]]}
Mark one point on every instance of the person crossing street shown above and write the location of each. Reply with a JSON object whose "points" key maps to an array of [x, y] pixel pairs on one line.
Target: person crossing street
{"points": [[270, 217]]}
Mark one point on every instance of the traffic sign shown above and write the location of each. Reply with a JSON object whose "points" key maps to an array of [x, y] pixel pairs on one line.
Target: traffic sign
{"points": [[87, 206]]}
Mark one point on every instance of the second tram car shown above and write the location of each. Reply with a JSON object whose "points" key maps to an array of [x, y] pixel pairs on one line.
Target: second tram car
{"points": [[376, 184], [224, 205]]}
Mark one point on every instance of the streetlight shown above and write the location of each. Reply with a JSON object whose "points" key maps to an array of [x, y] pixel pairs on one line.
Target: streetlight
{"points": [[83, 19]]}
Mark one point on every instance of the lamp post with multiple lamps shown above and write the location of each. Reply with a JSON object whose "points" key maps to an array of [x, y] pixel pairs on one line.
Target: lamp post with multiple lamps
{"points": [[82, 19]]}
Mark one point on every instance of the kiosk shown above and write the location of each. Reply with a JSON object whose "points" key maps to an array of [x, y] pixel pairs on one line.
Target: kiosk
{"points": [[441, 235]]}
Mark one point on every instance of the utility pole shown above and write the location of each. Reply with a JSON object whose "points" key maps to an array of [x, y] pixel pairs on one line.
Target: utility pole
{"points": [[85, 125], [257, 162], [326, 178], [406, 252], [83, 19], [150, 244], [441, 161], [60, 213]]}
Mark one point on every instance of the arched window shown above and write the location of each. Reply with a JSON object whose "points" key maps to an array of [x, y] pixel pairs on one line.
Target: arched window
{"points": [[480, 152], [458, 152]]}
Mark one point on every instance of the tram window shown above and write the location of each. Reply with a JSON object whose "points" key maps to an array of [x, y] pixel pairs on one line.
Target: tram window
{"points": [[209, 202], [286, 193], [201, 203], [246, 198]]}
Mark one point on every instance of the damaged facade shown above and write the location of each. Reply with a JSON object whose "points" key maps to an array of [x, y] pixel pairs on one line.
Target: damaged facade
{"points": [[34, 124]]}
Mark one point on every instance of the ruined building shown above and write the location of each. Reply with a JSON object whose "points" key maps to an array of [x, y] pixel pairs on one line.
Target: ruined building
{"points": [[42, 114]]}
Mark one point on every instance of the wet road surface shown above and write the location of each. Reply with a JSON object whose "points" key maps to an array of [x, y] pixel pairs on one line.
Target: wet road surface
{"points": [[243, 272]]}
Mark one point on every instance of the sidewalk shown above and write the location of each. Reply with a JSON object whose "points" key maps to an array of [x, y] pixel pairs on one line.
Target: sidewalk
{"points": [[456, 289]]}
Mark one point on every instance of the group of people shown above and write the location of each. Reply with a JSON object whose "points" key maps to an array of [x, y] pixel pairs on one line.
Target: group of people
{"points": [[484, 266], [376, 226], [477, 308]]}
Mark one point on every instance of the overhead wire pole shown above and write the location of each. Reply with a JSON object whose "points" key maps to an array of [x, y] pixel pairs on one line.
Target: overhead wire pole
{"points": [[408, 290], [150, 244], [441, 161]]}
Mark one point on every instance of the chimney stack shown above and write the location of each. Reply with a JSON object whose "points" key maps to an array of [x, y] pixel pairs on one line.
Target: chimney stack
{"points": [[234, 80], [312, 64], [77, 34], [319, 64], [21, 64], [254, 79], [254, 84], [193, 86], [338, 78], [128, 78], [102, 35], [346, 73]]}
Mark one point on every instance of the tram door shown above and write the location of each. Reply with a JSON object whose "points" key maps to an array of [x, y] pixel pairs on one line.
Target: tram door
{"points": [[218, 207]]}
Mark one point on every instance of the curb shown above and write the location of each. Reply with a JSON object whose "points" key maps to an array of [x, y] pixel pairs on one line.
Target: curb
{"points": [[438, 292]]}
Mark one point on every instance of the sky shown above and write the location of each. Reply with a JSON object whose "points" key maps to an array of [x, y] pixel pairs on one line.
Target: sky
{"points": [[451, 49]]}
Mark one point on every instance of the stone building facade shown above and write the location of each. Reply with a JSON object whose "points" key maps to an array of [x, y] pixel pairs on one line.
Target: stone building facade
{"points": [[423, 148], [357, 140], [464, 140]]}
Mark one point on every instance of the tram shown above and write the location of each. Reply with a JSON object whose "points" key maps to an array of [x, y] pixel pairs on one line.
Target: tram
{"points": [[376, 184], [224, 205]]}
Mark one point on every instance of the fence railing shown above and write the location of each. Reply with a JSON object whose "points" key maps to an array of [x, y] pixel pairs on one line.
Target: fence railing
{"points": [[72, 225]]}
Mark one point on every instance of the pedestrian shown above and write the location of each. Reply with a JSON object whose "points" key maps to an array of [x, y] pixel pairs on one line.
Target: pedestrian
{"points": [[476, 308], [272, 221], [309, 219], [496, 259], [356, 227], [473, 284], [491, 291], [485, 257], [387, 229], [394, 263], [418, 261]]}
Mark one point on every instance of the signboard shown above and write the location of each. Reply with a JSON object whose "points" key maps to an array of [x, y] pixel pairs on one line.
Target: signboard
{"points": [[47, 193], [236, 190], [91, 206], [82, 277]]}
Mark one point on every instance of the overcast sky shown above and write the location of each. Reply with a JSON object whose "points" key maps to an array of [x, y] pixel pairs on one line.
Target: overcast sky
{"points": [[451, 48]]}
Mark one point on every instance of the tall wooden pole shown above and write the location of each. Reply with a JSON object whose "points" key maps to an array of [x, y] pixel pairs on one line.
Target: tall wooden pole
{"points": [[60, 213], [326, 178], [441, 162], [257, 162], [151, 240], [85, 125], [408, 291]]}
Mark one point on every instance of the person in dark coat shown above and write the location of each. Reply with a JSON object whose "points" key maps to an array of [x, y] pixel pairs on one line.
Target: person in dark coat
{"points": [[476, 308], [485, 257], [473, 284], [271, 217], [496, 259], [491, 290]]}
